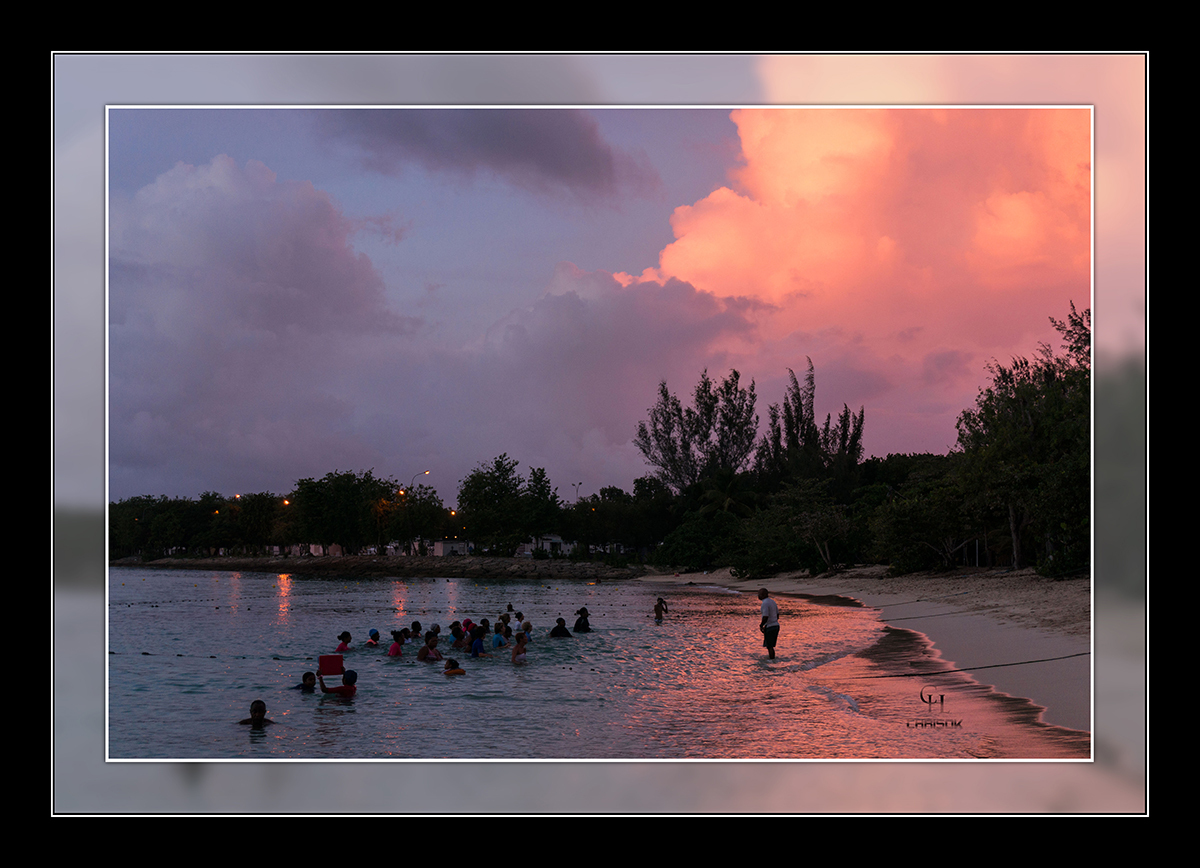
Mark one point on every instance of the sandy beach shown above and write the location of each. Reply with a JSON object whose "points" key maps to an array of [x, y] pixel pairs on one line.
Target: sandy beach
{"points": [[1025, 635]]}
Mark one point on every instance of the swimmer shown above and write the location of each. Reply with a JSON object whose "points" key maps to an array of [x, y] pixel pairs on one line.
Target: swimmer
{"points": [[518, 652], [477, 638], [345, 646], [660, 609], [308, 683], [347, 688], [397, 643], [560, 630], [581, 623], [429, 652], [372, 638], [452, 668], [258, 715]]}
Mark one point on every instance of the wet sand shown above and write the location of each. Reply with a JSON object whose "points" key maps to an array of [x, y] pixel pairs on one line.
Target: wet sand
{"points": [[1025, 635]]}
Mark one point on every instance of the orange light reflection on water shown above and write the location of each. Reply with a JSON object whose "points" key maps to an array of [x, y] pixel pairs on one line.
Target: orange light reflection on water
{"points": [[283, 583]]}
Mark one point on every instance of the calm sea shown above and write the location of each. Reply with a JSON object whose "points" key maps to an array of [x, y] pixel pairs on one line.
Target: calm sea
{"points": [[190, 650]]}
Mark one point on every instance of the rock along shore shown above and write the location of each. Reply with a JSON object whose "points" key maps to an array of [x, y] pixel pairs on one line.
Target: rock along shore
{"points": [[459, 567]]}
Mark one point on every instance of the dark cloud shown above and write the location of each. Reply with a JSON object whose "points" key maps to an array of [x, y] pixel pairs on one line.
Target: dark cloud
{"points": [[538, 149], [945, 366]]}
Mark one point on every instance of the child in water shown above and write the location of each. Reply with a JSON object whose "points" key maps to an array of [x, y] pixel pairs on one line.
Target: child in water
{"points": [[660, 609], [308, 683], [345, 646], [258, 715], [452, 668], [347, 688]]}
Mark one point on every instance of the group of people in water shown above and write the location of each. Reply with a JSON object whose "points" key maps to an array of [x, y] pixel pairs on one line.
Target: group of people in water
{"points": [[474, 639], [510, 632]]}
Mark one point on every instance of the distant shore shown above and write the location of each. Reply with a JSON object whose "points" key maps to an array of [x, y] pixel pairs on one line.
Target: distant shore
{"points": [[416, 566]]}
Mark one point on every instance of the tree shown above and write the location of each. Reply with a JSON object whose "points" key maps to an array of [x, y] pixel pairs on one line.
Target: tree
{"points": [[716, 433], [926, 522], [489, 503], [417, 513], [1026, 445], [540, 504], [342, 508], [794, 447]]}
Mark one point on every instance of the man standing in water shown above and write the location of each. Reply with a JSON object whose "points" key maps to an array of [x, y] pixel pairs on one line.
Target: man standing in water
{"points": [[770, 622]]}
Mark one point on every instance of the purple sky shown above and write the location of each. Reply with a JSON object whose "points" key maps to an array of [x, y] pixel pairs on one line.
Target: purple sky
{"points": [[297, 291]]}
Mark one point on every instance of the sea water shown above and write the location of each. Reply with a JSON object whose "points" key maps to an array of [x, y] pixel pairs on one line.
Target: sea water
{"points": [[190, 650]]}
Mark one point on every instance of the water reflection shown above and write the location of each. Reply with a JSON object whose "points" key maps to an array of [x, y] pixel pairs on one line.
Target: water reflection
{"points": [[696, 686]]}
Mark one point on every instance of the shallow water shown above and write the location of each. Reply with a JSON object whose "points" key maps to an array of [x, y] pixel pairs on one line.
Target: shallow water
{"points": [[190, 650]]}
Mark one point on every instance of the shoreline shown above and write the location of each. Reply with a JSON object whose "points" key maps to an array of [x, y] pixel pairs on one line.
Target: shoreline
{"points": [[993, 623]]}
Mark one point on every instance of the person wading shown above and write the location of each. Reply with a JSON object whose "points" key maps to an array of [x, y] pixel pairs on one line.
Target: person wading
{"points": [[770, 622]]}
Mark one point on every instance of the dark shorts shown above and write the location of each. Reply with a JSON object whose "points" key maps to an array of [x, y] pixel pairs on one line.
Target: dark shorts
{"points": [[770, 634]]}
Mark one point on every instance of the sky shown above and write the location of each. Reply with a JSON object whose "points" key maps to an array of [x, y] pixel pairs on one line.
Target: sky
{"points": [[297, 291]]}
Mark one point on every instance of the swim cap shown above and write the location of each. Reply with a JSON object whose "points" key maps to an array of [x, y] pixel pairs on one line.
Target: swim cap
{"points": [[373, 633]]}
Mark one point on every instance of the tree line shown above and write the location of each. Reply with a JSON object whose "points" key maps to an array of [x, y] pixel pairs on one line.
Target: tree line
{"points": [[1014, 491]]}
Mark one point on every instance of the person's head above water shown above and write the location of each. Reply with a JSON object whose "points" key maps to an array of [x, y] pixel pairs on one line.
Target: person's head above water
{"points": [[258, 715], [349, 677], [373, 633], [345, 637]]}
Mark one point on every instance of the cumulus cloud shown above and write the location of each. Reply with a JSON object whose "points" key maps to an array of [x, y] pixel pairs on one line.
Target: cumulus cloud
{"points": [[539, 149], [238, 310], [907, 246], [239, 250]]}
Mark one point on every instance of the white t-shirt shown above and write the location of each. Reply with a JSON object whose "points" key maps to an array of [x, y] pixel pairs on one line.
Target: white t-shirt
{"points": [[770, 612]]}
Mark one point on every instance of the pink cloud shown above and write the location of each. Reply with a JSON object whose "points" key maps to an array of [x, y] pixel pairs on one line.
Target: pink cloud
{"points": [[856, 230], [883, 218]]}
